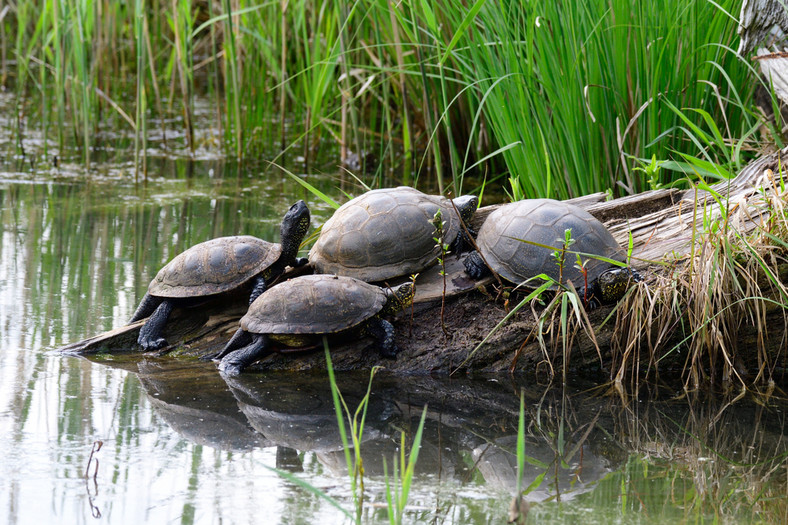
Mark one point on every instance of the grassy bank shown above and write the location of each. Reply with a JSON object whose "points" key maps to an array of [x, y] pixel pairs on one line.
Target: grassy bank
{"points": [[552, 100]]}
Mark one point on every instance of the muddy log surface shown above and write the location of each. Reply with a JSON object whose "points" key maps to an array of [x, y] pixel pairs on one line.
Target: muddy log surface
{"points": [[660, 223]]}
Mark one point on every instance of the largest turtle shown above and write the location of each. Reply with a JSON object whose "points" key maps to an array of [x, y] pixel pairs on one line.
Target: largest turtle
{"points": [[300, 311], [388, 233], [519, 241], [218, 266]]}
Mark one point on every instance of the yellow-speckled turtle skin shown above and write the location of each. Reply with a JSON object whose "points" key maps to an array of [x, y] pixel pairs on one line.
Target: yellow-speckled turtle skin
{"points": [[314, 304], [214, 266], [383, 234], [544, 221]]}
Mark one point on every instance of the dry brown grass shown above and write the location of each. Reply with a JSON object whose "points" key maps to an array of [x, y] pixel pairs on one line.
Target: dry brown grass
{"points": [[718, 315]]}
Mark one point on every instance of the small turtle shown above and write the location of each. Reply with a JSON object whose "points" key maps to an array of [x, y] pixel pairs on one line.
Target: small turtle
{"points": [[505, 240], [298, 312], [218, 266], [388, 233]]}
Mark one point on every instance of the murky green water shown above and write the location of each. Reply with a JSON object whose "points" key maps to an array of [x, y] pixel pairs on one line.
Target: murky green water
{"points": [[182, 445]]}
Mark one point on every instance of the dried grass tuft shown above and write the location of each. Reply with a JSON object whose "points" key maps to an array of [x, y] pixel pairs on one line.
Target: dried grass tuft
{"points": [[710, 317]]}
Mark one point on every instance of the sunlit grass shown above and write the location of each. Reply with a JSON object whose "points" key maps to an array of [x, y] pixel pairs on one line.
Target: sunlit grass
{"points": [[564, 97], [580, 85]]}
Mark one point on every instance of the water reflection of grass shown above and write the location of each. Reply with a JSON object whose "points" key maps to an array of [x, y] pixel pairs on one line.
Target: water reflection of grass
{"points": [[350, 423], [83, 253], [702, 459], [660, 458], [580, 455], [695, 459], [649, 490]]}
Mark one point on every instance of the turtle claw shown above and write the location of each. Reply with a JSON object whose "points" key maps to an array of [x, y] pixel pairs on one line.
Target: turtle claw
{"points": [[389, 353], [150, 345], [473, 272], [475, 267], [230, 368], [593, 304]]}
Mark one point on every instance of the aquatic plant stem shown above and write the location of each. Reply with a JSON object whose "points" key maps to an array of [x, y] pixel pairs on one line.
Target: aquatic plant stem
{"points": [[283, 72], [139, 9], [182, 22], [231, 64]]}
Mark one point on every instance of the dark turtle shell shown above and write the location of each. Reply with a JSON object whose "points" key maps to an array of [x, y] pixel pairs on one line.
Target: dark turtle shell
{"points": [[313, 304], [544, 221], [382, 234], [214, 266]]}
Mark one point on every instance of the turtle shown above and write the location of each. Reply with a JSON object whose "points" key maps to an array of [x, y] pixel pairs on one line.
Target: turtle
{"points": [[388, 233], [219, 266], [299, 312], [510, 239]]}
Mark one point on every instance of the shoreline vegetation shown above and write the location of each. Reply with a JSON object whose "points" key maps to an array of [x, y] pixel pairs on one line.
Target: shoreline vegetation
{"points": [[711, 314]]}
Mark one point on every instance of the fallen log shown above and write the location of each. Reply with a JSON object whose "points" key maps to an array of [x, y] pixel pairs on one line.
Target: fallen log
{"points": [[664, 225]]}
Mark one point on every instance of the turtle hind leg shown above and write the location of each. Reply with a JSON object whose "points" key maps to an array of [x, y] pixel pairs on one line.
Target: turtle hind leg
{"points": [[234, 362], [383, 333], [150, 337], [239, 339], [259, 285], [147, 306], [475, 267]]}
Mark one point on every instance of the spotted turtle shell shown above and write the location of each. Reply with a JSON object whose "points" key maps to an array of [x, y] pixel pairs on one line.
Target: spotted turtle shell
{"points": [[214, 266], [544, 221], [383, 234], [313, 304]]}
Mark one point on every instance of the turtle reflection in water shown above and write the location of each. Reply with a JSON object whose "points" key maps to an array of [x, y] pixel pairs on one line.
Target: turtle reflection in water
{"points": [[299, 312], [296, 412], [505, 242], [196, 403], [219, 266]]}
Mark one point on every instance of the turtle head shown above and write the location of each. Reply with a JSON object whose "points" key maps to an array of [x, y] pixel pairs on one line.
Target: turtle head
{"points": [[294, 227], [466, 205], [612, 284], [399, 298]]}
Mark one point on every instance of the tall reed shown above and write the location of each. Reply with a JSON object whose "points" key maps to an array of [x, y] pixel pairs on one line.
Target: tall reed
{"points": [[581, 85], [566, 97]]}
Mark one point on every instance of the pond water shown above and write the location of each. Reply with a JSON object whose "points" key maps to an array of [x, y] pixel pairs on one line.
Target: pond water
{"points": [[180, 444]]}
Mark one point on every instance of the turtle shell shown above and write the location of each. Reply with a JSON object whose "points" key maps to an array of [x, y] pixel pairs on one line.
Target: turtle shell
{"points": [[313, 304], [382, 234], [214, 266], [544, 221]]}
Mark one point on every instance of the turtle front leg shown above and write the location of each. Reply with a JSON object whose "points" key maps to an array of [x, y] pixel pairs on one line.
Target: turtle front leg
{"points": [[234, 362], [239, 339], [589, 294], [383, 333], [147, 306], [462, 241], [150, 337]]}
